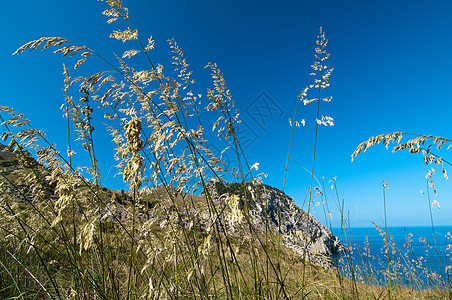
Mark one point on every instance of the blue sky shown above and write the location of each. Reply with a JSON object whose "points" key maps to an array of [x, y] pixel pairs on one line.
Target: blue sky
{"points": [[392, 63]]}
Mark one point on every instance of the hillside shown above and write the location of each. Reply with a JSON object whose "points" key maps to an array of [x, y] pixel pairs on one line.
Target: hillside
{"points": [[266, 205], [57, 227]]}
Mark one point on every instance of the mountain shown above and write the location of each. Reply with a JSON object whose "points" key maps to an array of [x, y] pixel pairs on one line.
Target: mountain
{"points": [[243, 211]]}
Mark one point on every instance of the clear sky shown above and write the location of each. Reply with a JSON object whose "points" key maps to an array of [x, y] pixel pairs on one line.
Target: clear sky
{"points": [[392, 63]]}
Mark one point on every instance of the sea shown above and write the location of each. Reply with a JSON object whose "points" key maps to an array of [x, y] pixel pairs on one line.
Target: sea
{"points": [[418, 257]]}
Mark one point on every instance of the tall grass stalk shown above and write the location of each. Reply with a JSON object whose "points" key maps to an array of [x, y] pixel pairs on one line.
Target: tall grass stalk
{"points": [[299, 98], [312, 176], [168, 235], [430, 204], [322, 73], [385, 186]]}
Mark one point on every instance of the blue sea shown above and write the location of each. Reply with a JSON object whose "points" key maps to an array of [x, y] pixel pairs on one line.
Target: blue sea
{"points": [[415, 258]]}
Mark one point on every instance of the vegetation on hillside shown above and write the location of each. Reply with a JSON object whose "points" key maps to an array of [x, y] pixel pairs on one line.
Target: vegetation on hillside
{"points": [[63, 235]]}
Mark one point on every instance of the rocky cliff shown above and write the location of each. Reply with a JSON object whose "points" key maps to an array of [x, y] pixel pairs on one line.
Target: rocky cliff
{"points": [[241, 208], [272, 209]]}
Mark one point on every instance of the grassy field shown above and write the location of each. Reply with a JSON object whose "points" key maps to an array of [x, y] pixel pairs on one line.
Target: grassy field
{"points": [[65, 236]]}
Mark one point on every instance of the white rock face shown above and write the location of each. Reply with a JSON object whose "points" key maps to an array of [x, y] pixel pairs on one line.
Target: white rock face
{"points": [[270, 207]]}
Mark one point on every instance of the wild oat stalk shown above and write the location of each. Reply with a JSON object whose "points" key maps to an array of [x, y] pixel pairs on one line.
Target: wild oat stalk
{"points": [[90, 242], [322, 73], [430, 184], [386, 239], [420, 143], [417, 143], [156, 145]]}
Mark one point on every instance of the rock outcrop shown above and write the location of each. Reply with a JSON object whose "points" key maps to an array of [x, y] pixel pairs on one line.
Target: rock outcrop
{"points": [[239, 207], [272, 209]]}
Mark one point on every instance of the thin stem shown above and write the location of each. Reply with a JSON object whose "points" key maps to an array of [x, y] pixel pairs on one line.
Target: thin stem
{"points": [[433, 231], [290, 142], [387, 240], [312, 178]]}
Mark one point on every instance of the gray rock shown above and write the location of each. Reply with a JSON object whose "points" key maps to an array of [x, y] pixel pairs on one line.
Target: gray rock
{"points": [[272, 209]]}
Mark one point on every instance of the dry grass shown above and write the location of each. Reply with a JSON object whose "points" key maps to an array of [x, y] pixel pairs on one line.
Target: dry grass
{"points": [[65, 236]]}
